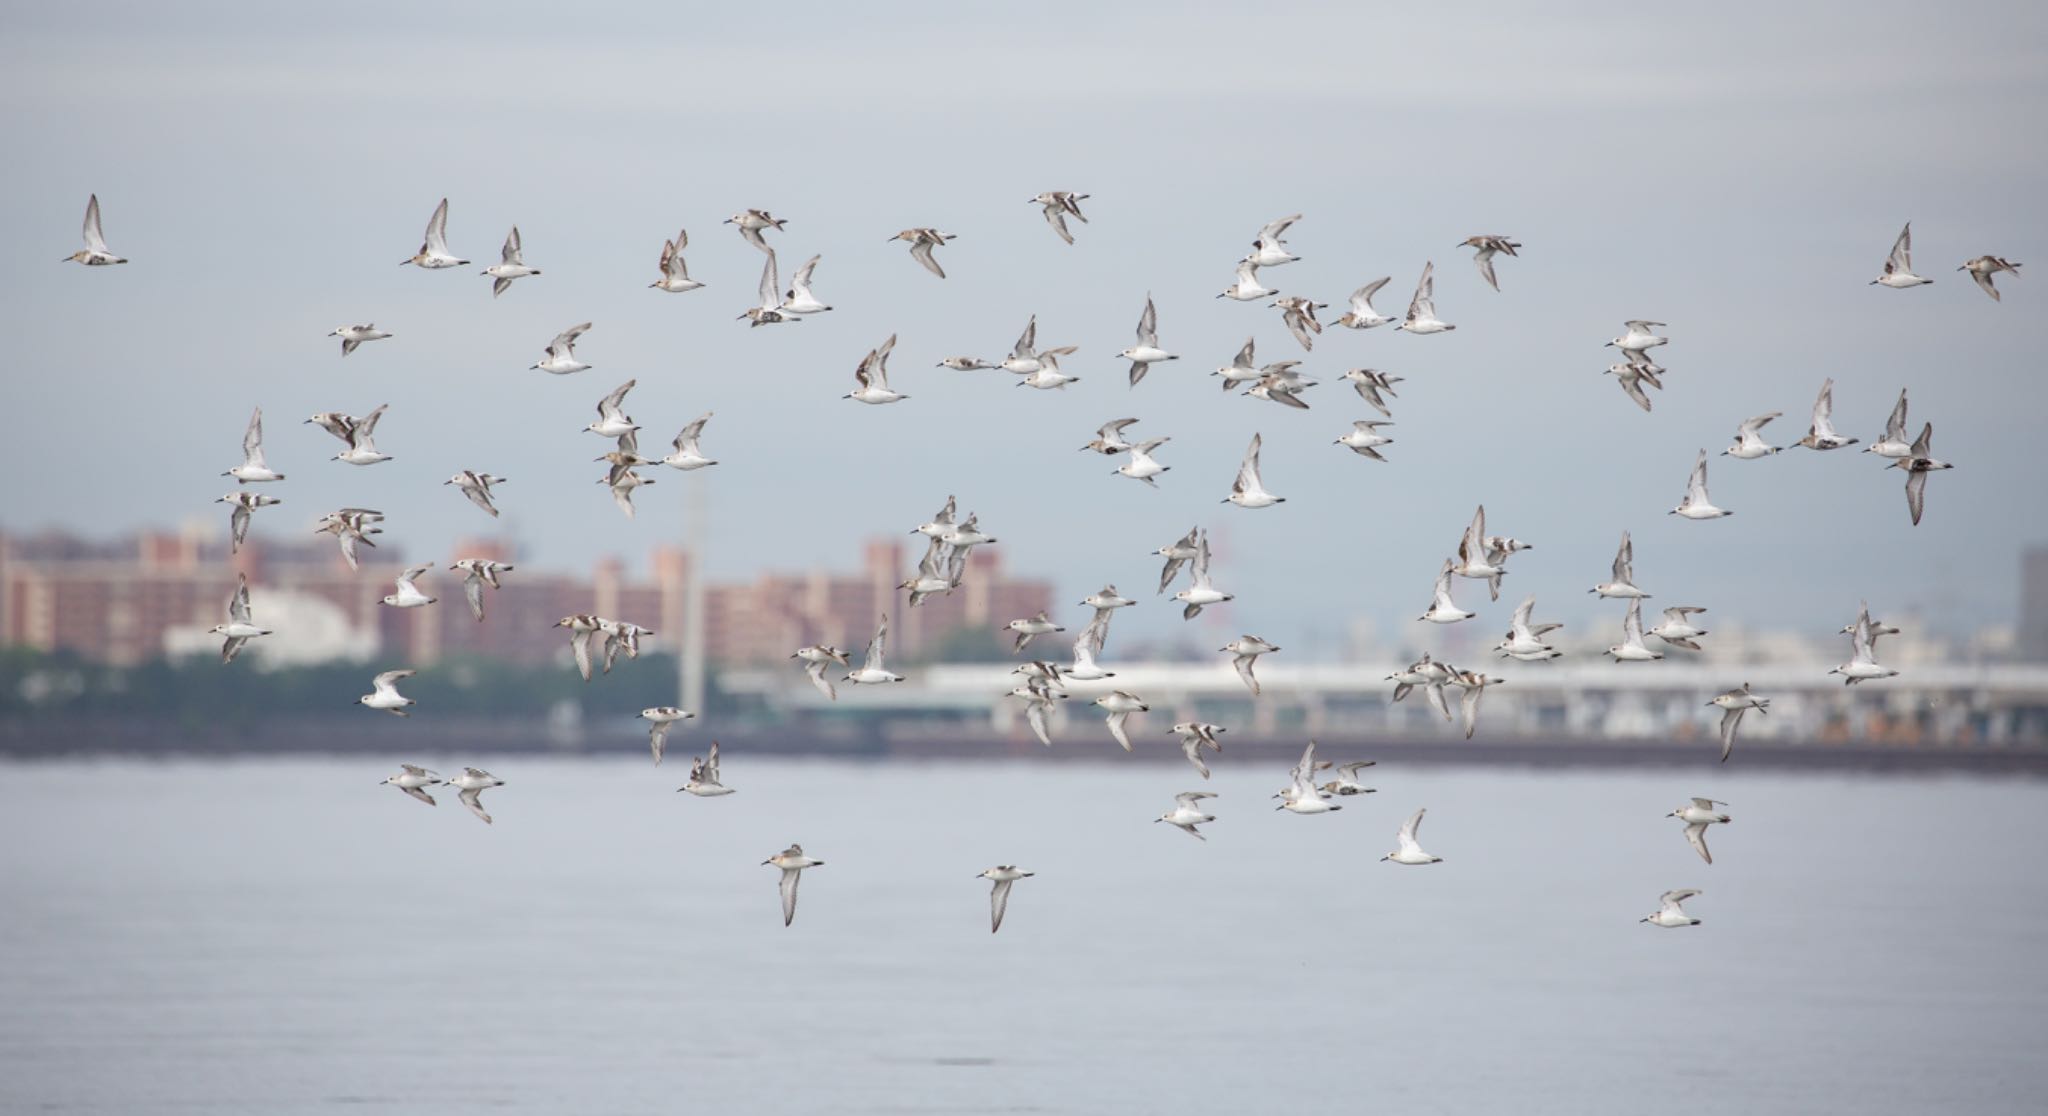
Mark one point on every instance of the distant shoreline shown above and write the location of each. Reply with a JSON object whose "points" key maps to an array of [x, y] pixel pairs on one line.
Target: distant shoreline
{"points": [[383, 737]]}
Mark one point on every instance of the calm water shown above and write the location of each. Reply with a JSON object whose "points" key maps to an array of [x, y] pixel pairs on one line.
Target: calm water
{"points": [[286, 936]]}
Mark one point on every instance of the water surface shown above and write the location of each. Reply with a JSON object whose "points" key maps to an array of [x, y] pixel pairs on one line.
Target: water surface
{"points": [[286, 936]]}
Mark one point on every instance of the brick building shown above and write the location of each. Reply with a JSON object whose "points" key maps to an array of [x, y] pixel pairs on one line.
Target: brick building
{"points": [[135, 599]]}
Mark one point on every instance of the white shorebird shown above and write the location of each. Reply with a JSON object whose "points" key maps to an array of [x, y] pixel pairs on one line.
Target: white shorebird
{"points": [[1632, 377], [1898, 267], [351, 527], [816, 658], [1696, 505], [1087, 646], [1894, 444], [1023, 358], [95, 253], [612, 420], [434, 254], [1202, 592], [1361, 315], [1364, 439], [1347, 782], [384, 693], [1030, 628], [1524, 640], [1474, 683], [1917, 465], [1117, 707], [582, 627], [752, 223], [1282, 385], [1697, 816], [1431, 676], [967, 535], [1863, 621], [1371, 385], [1475, 559], [675, 273], [1733, 704], [1109, 438], [872, 670], [1195, 736], [1246, 287], [921, 242], [560, 356], [798, 299], [1177, 554], [871, 377], [1107, 598], [476, 486], [1668, 911], [1244, 652], [1038, 697], [1485, 248], [688, 454], [470, 787], [1146, 352], [1003, 874], [621, 635], [1058, 205], [622, 481], [1676, 627], [1821, 434], [659, 719], [941, 525], [768, 311], [1406, 850], [1247, 491], [1442, 609], [1749, 443], [792, 861], [1244, 369], [477, 573], [1637, 339], [1187, 813], [253, 469], [1298, 314], [354, 335], [703, 781], [510, 265], [1049, 375], [413, 780], [1983, 268], [966, 364], [1631, 649], [1623, 582], [361, 439], [409, 595], [245, 504], [939, 571], [241, 626], [1269, 250], [1302, 796], [1422, 308]]}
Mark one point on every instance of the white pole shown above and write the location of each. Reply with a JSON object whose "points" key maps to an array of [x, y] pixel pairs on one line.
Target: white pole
{"points": [[691, 659]]}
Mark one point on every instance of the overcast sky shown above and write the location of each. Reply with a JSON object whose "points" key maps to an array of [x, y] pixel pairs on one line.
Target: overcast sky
{"points": [[1737, 175]]}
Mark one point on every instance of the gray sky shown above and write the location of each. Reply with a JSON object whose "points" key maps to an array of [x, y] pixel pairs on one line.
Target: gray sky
{"points": [[1740, 178]]}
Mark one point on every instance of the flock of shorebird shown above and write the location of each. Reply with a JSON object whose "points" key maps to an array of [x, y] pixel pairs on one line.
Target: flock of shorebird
{"points": [[950, 539]]}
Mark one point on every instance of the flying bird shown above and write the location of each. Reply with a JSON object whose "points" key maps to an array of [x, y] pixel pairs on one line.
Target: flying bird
{"points": [[1058, 206], [95, 253], [1485, 248], [434, 254]]}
